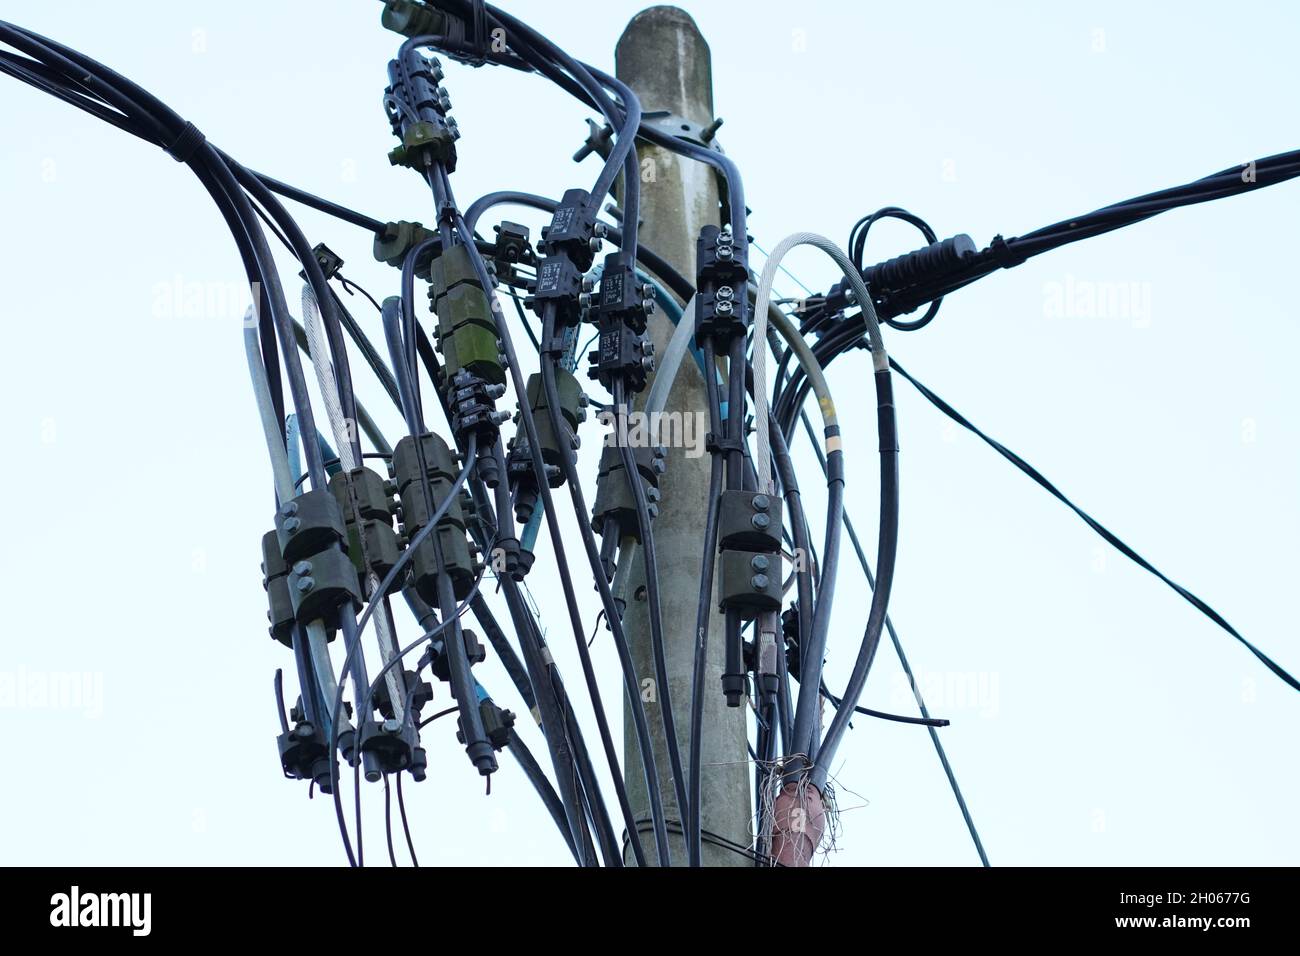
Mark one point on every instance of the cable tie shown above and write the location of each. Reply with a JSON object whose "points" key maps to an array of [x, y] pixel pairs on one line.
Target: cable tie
{"points": [[186, 144]]}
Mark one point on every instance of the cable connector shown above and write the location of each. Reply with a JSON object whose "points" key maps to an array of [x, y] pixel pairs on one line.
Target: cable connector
{"points": [[417, 107], [472, 404], [275, 579], [554, 447], [411, 18], [467, 328], [621, 354], [513, 245], [624, 297], [305, 754], [397, 239], [497, 724], [330, 262], [559, 282], [441, 472], [573, 230], [366, 502], [721, 301], [310, 532], [613, 513]]}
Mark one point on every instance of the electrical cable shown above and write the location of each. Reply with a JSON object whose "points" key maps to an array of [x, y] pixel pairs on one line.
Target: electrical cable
{"points": [[1106, 534]]}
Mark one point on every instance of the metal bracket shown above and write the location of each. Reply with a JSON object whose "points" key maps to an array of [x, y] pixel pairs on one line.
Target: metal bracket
{"points": [[600, 138], [670, 124]]}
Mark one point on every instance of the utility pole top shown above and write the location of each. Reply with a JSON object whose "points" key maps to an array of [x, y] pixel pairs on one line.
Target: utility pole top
{"points": [[665, 31]]}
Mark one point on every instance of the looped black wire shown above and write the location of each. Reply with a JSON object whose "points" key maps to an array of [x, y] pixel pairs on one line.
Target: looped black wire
{"points": [[857, 247], [186, 144]]}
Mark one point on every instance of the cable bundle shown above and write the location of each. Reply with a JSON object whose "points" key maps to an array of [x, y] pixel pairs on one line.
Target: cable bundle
{"points": [[348, 540]]}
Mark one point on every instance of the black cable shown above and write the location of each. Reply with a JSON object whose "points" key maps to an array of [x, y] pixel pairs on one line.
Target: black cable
{"points": [[837, 702], [650, 566], [388, 822], [1106, 534], [533, 771], [354, 639], [1006, 253], [322, 205], [718, 840], [703, 607], [906, 665], [406, 827], [631, 685]]}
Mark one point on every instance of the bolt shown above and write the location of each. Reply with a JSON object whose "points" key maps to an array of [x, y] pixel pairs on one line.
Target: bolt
{"points": [[724, 307], [726, 293], [306, 584], [759, 582], [759, 562], [760, 521], [289, 508], [304, 730], [392, 725], [760, 502], [302, 567]]}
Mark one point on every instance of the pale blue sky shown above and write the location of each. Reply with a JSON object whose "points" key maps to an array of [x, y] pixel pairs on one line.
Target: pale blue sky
{"points": [[1109, 722]]}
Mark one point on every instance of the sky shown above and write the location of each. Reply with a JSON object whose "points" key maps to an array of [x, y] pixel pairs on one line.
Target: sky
{"points": [[1097, 718]]}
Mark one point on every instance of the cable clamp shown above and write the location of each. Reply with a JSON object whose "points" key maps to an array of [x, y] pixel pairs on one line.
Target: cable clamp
{"points": [[716, 444], [1003, 254]]}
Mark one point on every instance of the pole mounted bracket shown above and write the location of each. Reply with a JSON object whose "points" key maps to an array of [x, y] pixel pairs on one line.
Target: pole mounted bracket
{"points": [[670, 124], [600, 139]]}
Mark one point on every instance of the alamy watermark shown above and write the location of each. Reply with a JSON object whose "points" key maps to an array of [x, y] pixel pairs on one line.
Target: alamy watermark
{"points": [[632, 429], [1088, 299], [53, 690], [128, 910]]}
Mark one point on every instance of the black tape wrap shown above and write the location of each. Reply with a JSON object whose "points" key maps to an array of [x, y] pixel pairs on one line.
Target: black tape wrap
{"points": [[186, 144], [479, 39], [888, 425]]}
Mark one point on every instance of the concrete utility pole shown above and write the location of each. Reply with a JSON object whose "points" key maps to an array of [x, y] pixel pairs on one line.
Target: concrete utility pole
{"points": [[663, 57]]}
